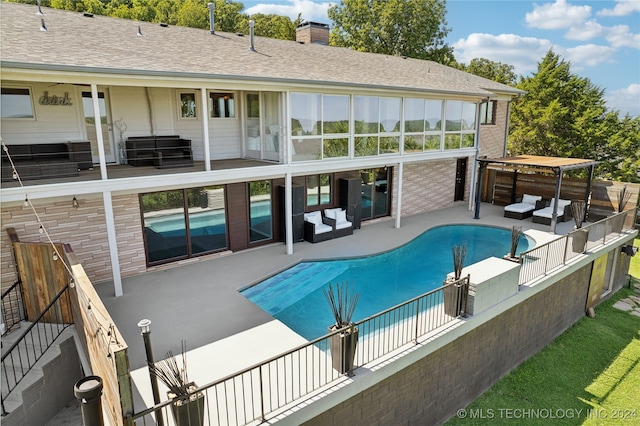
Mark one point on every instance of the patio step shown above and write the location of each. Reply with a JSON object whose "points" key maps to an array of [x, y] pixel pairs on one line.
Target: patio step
{"points": [[47, 387]]}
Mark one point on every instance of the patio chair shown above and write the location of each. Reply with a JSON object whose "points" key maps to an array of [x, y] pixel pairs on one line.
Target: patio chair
{"points": [[544, 215], [341, 223], [525, 207], [316, 229]]}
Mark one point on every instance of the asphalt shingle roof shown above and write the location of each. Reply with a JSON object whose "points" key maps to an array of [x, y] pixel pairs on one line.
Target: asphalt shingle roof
{"points": [[75, 42]]}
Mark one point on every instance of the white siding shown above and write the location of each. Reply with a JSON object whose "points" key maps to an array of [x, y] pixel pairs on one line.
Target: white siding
{"points": [[53, 123]]}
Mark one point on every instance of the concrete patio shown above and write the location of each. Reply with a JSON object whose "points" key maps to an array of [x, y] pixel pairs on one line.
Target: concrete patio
{"points": [[199, 301]]}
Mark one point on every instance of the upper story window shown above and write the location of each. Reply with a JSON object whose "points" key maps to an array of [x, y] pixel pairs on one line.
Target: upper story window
{"points": [[488, 112], [377, 125], [188, 105], [16, 103], [320, 126], [460, 124], [222, 105], [422, 125]]}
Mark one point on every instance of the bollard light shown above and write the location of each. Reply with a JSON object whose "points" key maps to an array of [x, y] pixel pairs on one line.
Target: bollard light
{"points": [[145, 330]]}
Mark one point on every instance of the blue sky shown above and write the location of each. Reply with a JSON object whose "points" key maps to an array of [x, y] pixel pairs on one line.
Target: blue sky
{"points": [[600, 38]]}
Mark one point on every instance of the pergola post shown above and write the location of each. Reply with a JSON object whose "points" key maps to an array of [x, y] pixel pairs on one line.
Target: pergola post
{"points": [[554, 217], [483, 165]]}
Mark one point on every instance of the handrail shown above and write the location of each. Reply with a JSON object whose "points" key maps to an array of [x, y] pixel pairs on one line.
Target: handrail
{"points": [[38, 343], [541, 260], [12, 306], [271, 384]]}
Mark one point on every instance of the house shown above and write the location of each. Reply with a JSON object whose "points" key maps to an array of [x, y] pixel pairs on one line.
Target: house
{"points": [[143, 144]]}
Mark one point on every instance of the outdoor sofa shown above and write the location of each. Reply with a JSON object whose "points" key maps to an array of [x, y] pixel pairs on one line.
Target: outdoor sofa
{"points": [[341, 223], [525, 207], [159, 151], [316, 227], [46, 160], [545, 215]]}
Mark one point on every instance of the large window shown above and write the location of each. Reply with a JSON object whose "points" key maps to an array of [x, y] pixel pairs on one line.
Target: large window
{"points": [[318, 190], [319, 126], [16, 103], [377, 124], [260, 216], [460, 124], [222, 105], [184, 223], [422, 125]]}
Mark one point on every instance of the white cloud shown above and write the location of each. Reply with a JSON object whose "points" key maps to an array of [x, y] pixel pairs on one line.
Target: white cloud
{"points": [[586, 31], [523, 53], [620, 36], [626, 100], [311, 11], [553, 16], [622, 8], [589, 54]]}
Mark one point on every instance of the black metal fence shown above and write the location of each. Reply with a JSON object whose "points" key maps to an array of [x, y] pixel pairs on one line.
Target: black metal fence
{"points": [[22, 355], [12, 307], [543, 259], [304, 372]]}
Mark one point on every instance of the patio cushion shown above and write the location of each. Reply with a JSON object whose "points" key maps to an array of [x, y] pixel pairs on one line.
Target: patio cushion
{"points": [[561, 203], [341, 220], [331, 213], [531, 199], [314, 217], [520, 207], [322, 228], [547, 212]]}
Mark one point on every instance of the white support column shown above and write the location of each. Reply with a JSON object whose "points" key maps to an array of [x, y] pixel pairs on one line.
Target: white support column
{"points": [[288, 213], [98, 123], [113, 243], [399, 195], [205, 129]]}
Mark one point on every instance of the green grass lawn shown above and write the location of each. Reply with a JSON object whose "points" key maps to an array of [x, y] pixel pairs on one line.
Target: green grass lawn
{"points": [[634, 269], [589, 375]]}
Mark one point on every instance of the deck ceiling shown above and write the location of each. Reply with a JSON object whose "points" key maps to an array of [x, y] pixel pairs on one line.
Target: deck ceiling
{"points": [[539, 163]]}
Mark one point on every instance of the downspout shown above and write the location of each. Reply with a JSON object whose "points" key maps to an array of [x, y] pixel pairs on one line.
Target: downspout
{"points": [[483, 165], [506, 127], [475, 161], [588, 192], [151, 118]]}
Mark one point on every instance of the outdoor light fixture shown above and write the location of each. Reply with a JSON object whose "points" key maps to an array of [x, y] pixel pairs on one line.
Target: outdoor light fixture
{"points": [[75, 205], [145, 326], [629, 250]]}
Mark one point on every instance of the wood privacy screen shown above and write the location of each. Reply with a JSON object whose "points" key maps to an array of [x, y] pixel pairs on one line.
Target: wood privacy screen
{"points": [[42, 278], [104, 345], [499, 186]]}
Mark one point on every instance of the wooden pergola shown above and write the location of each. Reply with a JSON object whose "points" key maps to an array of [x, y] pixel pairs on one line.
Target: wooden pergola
{"points": [[556, 165]]}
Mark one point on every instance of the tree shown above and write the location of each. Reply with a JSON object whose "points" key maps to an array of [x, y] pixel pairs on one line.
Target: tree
{"points": [[564, 115], [412, 28], [272, 26], [496, 71]]}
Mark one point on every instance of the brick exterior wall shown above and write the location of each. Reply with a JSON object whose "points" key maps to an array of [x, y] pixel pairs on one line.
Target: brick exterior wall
{"points": [[430, 391], [430, 185], [492, 136], [84, 229]]}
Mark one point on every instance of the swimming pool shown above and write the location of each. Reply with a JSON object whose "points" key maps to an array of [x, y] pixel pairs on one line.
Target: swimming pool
{"points": [[295, 295]]}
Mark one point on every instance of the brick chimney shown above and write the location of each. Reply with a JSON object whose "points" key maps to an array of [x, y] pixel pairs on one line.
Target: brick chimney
{"points": [[312, 32]]}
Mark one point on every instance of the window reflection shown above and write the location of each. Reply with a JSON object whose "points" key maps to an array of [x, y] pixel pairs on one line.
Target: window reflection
{"points": [[260, 216]]}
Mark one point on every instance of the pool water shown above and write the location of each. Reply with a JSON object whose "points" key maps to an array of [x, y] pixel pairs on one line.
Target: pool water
{"points": [[295, 296]]}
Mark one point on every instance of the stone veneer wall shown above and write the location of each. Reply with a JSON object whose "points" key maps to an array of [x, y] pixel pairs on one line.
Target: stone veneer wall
{"points": [[430, 185], [430, 391], [84, 229], [492, 136]]}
